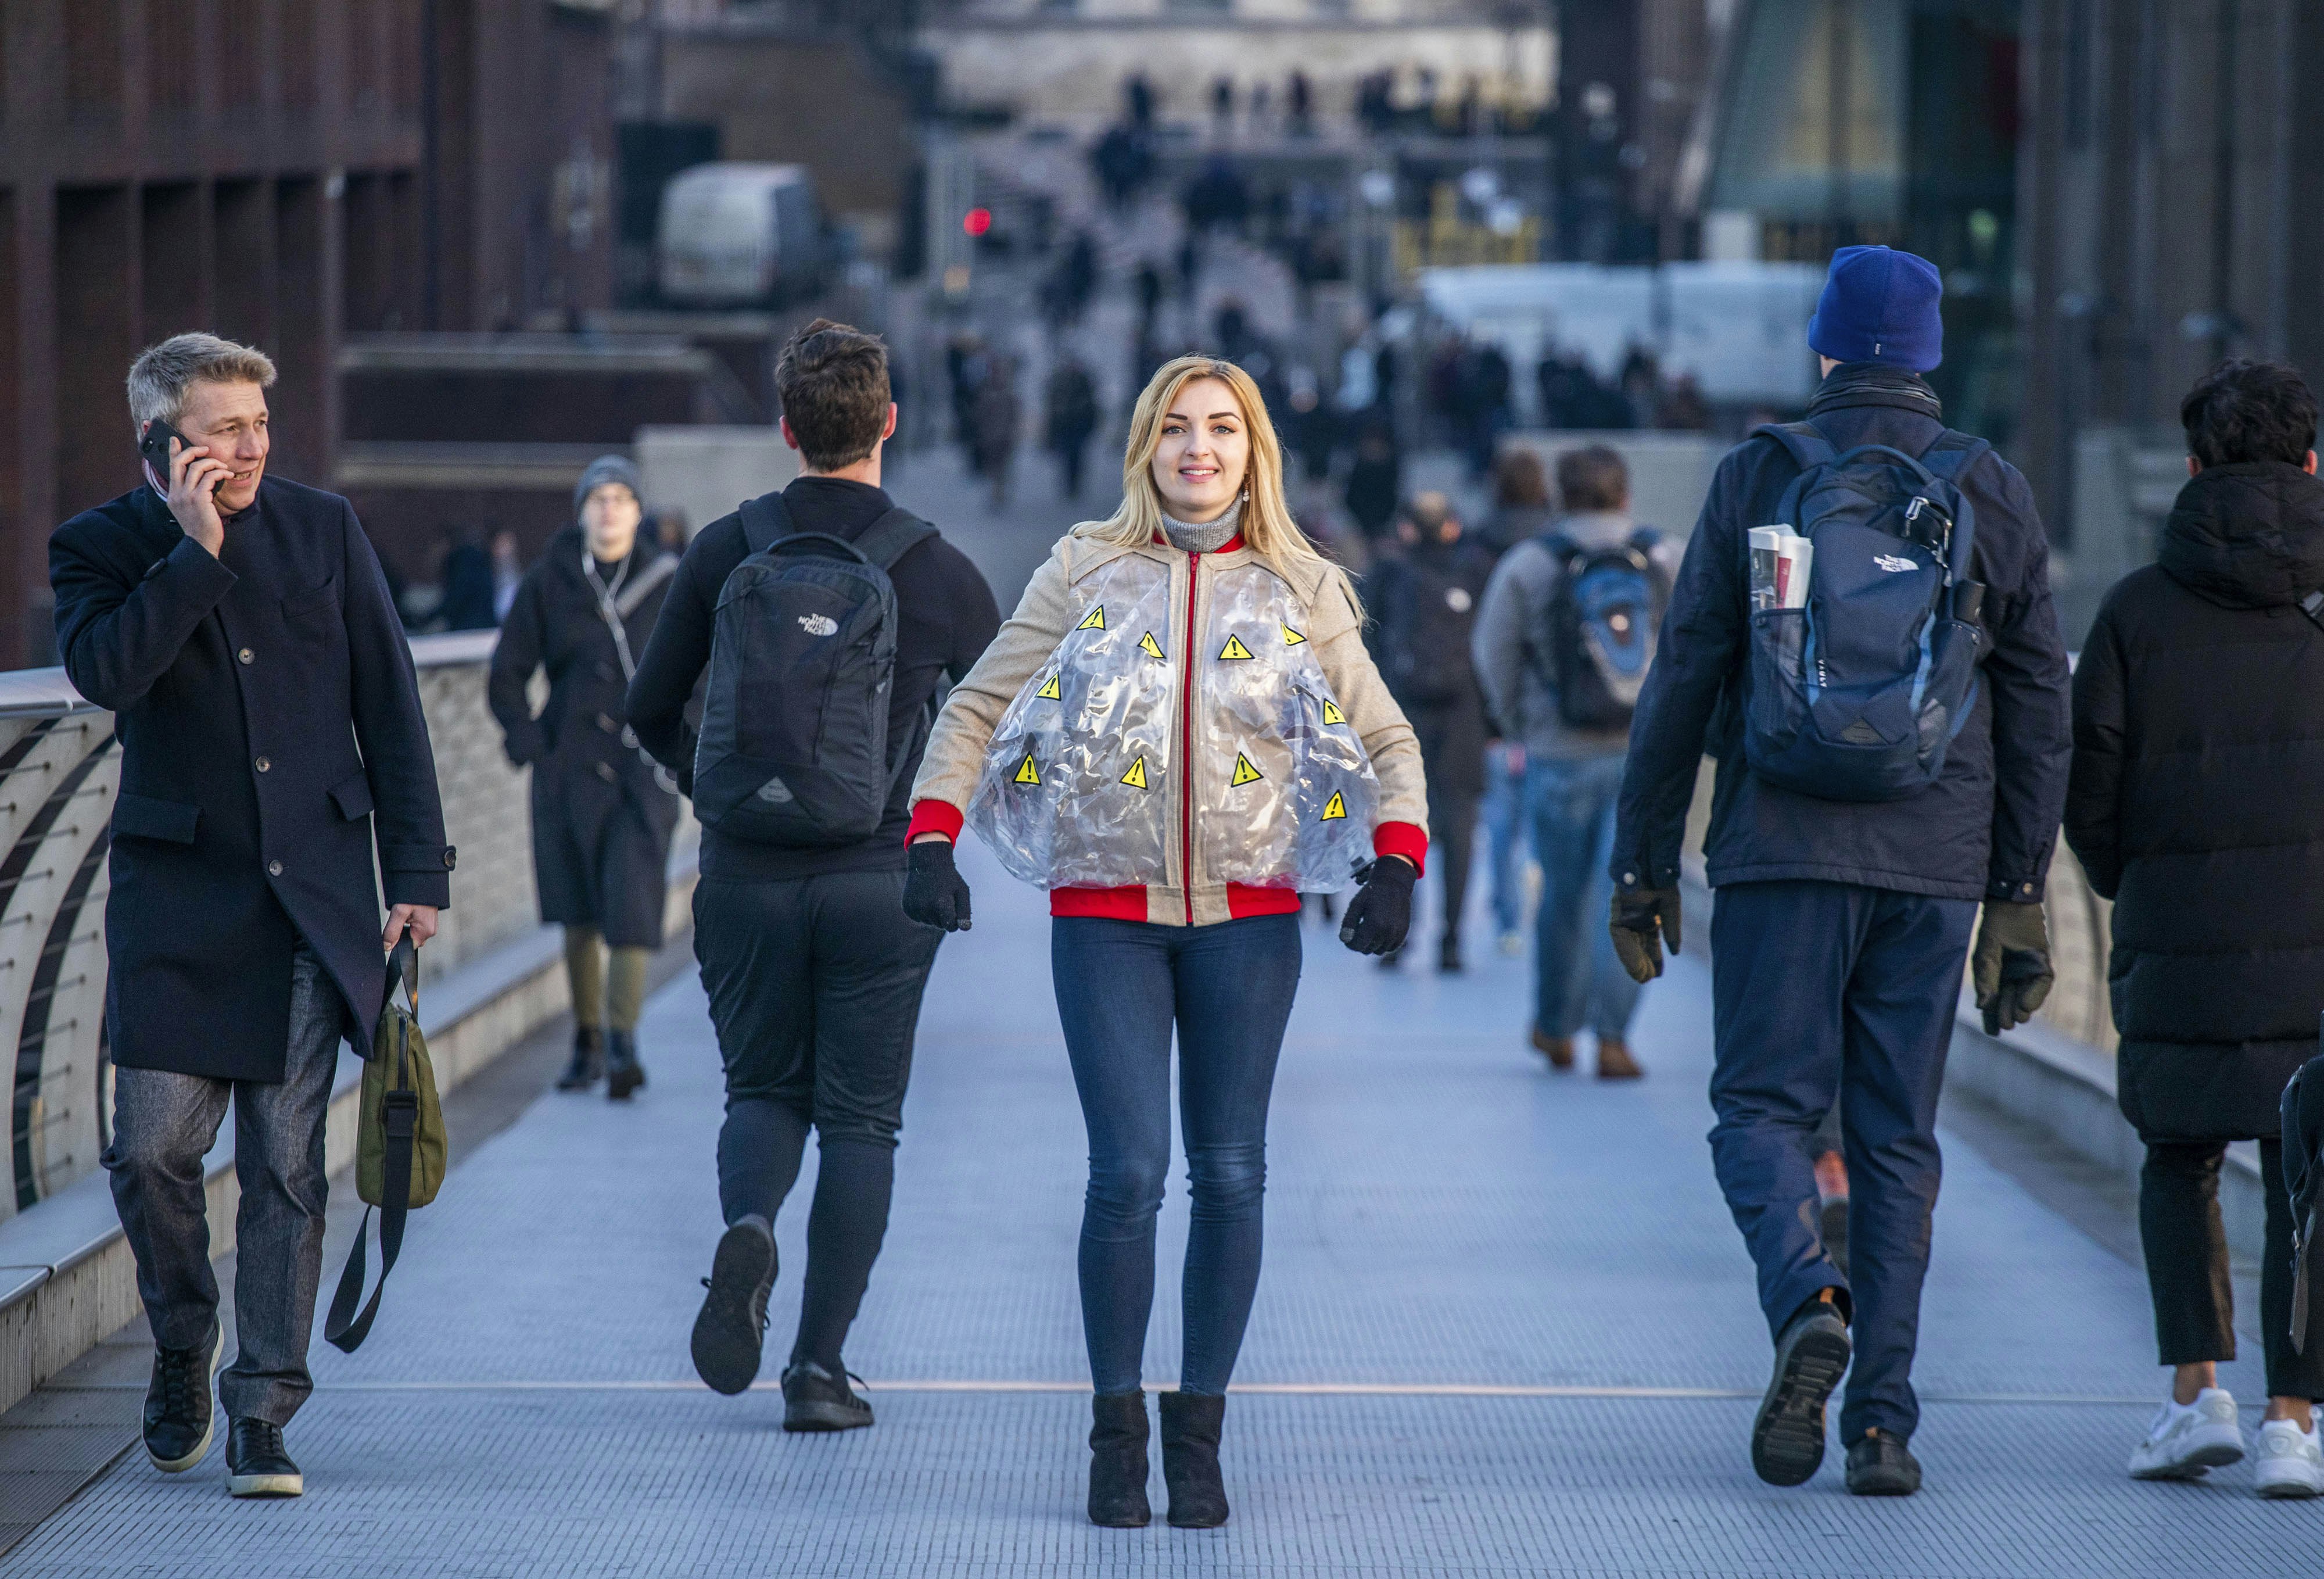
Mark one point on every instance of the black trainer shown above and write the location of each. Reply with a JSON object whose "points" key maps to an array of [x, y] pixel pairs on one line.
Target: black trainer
{"points": [[1881, 1465], [255, 1464], [179, 1420], [623, 1073], [588, 1064], [813, 1399], [731, 1331], [1787, 1438], [1833, 1230]]}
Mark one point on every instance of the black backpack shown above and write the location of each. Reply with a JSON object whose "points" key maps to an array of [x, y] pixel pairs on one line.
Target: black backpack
{"points": [[1604, 615], [794, 747], [1425, 618]]}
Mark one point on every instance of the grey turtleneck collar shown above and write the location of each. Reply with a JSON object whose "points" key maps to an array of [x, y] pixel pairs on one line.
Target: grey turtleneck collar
{"points": [[1208, 538]]}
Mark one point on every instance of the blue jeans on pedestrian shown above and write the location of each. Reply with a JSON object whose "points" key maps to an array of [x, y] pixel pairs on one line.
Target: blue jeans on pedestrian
{"points": [[1501, 812], [1824, 992], [1577, 979], [1120, 987]]}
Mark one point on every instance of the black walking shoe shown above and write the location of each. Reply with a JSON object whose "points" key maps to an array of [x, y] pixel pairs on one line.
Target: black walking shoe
{"points": [[1832, 1229], [1191, 1422], [1787, 1438], [179, 1420], [731, 1329], [1448, 957], [1117, 1462], [588, 1064], [623, 1073], [813, 1399], [1881, 1465], [255, 1464]]}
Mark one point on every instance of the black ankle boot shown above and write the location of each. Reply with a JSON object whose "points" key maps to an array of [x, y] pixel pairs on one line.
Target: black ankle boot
{"points": [[588, 1064], [1118, 1464], [623, 1073], [1190, 1459]]}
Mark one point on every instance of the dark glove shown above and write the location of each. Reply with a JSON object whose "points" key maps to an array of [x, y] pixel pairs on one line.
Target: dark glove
{"points": [[1381, 914], [2011, 964], [1644, 920], [933, 893]]}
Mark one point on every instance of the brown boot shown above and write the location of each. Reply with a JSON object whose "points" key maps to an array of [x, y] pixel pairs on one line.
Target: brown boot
{"points": [[1614, 1060], [1560, 1048]]}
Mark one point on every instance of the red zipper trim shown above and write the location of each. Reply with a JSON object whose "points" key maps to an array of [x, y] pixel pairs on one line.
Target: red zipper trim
{"points": [[1186, 748]]}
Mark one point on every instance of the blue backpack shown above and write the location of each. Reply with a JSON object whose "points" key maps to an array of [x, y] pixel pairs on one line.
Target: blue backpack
{"points": [[1603, 617], [1858, 695]]}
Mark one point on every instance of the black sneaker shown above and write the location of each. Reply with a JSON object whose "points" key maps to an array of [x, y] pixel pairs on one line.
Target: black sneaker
{"points": [[813, 1399], [179, 1420], [1787, 1438], [1881, 1465], [255, 1464], [623, 1073], [731, 1329], [588, 1064], [1832, 1221]]}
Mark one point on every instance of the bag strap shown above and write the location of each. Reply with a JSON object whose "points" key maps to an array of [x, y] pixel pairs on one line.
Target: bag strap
{"points": [[649, 579], [892, 536], [766, 521], [343, 1329], [1804, 442]]}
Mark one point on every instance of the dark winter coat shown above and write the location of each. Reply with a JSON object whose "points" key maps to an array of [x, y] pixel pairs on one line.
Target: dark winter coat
{"points": [[2199, 748], [1424, 606], [268, 718], [601, 821], [1986, 828]]}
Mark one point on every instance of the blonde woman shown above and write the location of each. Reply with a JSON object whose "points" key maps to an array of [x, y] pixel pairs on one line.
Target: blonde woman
{"points": [[1177, 732]]}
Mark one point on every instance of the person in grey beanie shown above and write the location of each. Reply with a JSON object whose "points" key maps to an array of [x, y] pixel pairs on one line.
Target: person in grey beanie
{"points": [[603, 812]]}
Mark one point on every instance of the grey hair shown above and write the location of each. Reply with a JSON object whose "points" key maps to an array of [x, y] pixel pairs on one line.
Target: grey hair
{"points": [[159, 377]]}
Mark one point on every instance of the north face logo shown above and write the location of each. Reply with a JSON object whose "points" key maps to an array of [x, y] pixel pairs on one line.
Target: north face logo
{"points": [[819, 625], [1892, 563]]}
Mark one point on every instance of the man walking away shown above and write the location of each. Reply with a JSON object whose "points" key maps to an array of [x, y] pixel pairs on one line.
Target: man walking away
{"points": [[814, 971], [1852, 841], [2198, 738], [1572, 766], [1425, 601], [1071, 398], [240, 630]]}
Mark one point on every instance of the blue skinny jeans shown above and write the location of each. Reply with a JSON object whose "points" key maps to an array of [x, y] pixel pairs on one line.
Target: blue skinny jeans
{"points": [[1121, 986]]}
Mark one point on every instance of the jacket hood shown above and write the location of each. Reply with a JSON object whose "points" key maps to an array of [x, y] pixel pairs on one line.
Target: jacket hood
{"points": [[2247, 535]]}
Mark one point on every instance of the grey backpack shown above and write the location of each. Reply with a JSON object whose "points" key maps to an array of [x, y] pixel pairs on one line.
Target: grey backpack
{"points": [[794, 747]]}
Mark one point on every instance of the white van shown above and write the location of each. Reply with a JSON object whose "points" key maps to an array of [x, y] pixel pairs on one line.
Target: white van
{"points": [[740, 235]]}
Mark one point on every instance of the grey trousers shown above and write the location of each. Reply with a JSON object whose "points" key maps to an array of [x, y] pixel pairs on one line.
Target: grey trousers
{"points": [[162, 1125]]}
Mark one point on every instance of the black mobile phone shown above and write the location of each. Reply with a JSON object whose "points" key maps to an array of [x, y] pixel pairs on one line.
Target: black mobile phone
{"points": [[155, 447]]}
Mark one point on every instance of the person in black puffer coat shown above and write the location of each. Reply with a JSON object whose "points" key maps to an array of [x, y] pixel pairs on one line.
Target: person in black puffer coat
{"points": [[2198, 742]]}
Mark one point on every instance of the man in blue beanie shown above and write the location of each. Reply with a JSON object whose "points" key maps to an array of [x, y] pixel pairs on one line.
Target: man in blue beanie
{"points": [[1845, 907]]}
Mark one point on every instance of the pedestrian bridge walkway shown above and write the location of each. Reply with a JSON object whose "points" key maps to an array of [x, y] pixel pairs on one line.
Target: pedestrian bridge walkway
{"points": [[1506, 1329]]}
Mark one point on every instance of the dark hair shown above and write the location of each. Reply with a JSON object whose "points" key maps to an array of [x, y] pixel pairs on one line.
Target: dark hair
{"points": [[831, 379], [2244, 411], [1517, 479], [1593, 477]]}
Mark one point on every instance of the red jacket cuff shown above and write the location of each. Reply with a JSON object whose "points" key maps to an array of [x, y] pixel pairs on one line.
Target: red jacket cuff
{"points": [[1405, 839], [935, 817]]}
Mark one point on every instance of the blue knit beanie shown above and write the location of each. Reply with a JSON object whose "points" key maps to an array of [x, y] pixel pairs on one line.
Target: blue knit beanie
{"points": [[606, 469], [1879, 305]]}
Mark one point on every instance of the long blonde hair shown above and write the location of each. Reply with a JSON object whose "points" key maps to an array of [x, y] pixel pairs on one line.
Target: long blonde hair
{"points": [[1267, 524]]}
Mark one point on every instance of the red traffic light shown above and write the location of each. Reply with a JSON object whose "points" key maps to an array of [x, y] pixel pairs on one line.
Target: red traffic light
{"points": [[977, 221]]}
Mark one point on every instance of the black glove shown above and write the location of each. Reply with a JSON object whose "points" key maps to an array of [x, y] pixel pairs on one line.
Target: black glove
{"points": [[2011, 965], [933, 893], [1644, 920], [1381, 914]]}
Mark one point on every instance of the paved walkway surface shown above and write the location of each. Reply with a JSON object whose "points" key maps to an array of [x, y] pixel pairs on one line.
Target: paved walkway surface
{"points": [[1506, 1328]]}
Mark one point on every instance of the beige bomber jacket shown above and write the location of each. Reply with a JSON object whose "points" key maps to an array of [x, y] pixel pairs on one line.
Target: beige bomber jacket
{"points": [[1054, 604]]}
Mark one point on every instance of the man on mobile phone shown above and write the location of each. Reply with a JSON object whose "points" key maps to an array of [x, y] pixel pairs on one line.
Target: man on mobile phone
{"points": [[240, 630]]}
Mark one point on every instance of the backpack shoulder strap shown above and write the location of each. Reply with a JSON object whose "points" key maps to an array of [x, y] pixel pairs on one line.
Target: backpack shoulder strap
{"points": [[1804, 442], [1953, 453], [766, 521], [892, 536]]}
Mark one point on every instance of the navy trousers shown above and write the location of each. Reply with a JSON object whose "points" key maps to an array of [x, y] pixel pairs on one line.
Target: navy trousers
{"points": [[1827, 992]]}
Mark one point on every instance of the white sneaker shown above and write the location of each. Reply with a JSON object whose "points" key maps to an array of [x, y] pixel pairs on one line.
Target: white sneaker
{"points": [[1512, 945], [2291, 1461], [2186, 1439]]}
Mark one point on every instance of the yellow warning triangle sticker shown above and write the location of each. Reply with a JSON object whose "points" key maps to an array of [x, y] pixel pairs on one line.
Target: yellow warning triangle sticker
{"points": [[1149, 646], [1244, 772], [1332, 714], [1292, 638], [1136, 777], [1235, 649], [1094, 621], [1048, 688], [1335, 806], [1027, 773]]}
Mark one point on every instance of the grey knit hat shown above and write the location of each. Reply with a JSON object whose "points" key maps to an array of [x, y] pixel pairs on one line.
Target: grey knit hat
{"points": [[607, 468]]}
